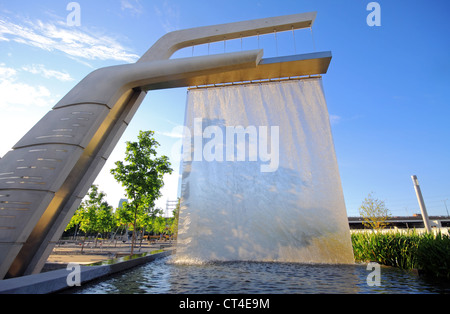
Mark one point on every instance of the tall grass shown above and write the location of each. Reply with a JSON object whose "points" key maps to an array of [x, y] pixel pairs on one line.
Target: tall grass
{"points": [[433, 255], [426, 252]]}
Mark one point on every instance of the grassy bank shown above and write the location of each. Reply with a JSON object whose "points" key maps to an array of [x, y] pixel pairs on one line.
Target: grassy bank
{"points": [[428, 253]]}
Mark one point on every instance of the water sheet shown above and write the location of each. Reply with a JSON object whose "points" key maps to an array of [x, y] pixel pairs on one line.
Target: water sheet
{"points": [[260, 180]]}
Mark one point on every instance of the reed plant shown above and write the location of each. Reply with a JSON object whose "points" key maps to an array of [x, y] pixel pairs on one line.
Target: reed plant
{"points": [[433, 255], [428, 253]]}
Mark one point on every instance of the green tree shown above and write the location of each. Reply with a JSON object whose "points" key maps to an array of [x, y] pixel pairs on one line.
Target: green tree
{"points": [[174, 220], [105, 219], [148, 220], [159, 226], [141, 174], [94, 215], [374, 212]]}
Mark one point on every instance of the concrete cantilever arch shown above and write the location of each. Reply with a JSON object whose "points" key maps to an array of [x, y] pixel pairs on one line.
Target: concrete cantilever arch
{"points": [[47, 173]]}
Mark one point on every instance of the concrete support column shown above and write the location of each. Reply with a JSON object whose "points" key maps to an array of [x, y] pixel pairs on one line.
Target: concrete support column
{"points": [[423, 209]]}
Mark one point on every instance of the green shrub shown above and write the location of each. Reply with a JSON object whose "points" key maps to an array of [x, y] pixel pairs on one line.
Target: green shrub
{"points": [[391, 249], [427, 252], [433, 255]]}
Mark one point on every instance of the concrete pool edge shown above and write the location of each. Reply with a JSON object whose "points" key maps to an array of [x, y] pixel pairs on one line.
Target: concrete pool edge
{"points": [[56, 281]]}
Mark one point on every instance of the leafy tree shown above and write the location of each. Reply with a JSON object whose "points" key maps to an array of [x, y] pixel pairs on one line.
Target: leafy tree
{"points": [[174, 221], [148, 221], [374, 212], [93, 215], [150, 217], [105, 218], [141, 174], [159, 226]]}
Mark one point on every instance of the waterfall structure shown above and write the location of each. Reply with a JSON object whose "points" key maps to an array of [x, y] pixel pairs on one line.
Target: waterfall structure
{"points": [[260, 179], [45, 176]]}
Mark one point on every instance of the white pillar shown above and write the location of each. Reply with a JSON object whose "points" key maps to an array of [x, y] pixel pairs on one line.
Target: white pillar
{"points": [[423, 209]]}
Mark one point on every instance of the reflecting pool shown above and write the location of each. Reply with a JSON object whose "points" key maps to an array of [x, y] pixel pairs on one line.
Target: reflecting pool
{"points": [[165, 277]]}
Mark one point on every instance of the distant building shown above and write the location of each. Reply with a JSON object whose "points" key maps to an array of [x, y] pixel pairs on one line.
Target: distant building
{"points": [[122, 200], [409, 222], [170, 207]]}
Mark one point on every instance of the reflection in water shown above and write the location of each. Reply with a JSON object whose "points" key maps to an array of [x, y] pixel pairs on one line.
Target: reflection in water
{"points": [[165, 277]]}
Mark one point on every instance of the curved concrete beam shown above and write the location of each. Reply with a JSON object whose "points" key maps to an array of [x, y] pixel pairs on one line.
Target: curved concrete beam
{"points": [[107, 85], [165, 47]]}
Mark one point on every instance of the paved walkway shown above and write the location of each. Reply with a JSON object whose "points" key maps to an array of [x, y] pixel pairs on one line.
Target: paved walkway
{"points": [[70, 252]]}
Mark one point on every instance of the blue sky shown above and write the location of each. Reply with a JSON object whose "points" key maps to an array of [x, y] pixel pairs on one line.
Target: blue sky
{"points": [[387, 87]]}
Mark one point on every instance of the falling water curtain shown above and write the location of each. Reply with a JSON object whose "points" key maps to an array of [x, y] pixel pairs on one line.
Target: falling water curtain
{"points": [[260, 180]]}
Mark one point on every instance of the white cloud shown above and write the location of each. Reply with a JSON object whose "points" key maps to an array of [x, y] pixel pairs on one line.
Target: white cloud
{"points": [[15, 95], [334, 119], [176, 133], [133, 6], [73, 41], [41, 70], [169, 16], [6, 73]]}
